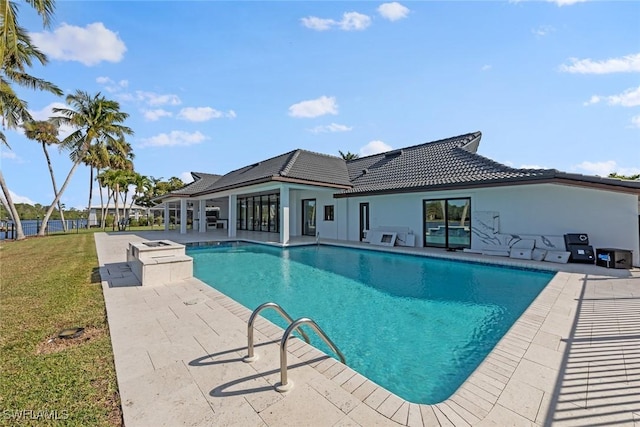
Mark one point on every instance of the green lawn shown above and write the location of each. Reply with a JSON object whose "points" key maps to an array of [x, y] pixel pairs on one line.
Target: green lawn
{"points": [[48, 284]]}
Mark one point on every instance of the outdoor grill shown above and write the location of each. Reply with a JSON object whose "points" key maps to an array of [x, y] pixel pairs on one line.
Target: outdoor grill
{"points": [[578, 246]]}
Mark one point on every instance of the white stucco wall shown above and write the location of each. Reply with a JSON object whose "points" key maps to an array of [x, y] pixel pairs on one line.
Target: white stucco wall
{"points": [[610, 219], [327, 229]]}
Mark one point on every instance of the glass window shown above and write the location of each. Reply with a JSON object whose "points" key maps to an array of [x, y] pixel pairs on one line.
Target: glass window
{"points": [[328, 213], [264, 213], [250, 213], [259, 213], [309, 217], [447, 223]]}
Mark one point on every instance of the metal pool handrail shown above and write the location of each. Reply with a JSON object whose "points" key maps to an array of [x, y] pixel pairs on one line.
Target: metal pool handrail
{"points": [[285, 385], [251, 357]]}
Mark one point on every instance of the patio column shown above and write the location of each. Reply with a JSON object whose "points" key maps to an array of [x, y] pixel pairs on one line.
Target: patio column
{"points": [[284, 215], [166, 216], [233, 214], [202, 216], [183, 216]]}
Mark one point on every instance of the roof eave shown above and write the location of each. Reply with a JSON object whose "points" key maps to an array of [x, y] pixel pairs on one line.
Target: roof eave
{"points": [[556, 179]]}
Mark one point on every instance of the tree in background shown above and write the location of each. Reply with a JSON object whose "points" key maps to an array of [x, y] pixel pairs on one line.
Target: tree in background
{"points": [[626, 177], [16, 55], [348, 155], [46, 133], [97, 120]]}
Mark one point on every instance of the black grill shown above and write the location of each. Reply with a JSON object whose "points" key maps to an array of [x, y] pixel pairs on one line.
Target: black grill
{"points": [[578, 245]]}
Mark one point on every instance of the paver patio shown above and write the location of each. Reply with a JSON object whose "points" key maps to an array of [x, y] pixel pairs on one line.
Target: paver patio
{"points": [[573, 358]]}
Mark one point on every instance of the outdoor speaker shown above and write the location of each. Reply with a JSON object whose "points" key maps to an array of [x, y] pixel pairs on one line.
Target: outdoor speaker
{"points": [[576, 239]]}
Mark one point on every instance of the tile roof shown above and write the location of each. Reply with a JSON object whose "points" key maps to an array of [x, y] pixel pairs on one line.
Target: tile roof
{"points": [[446, 163], [443, 164], [299, 165], [200, 182]]}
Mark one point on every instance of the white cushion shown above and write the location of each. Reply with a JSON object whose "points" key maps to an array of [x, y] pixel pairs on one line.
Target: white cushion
{"points": [[557, 256], [520, 253], [538, 254]]}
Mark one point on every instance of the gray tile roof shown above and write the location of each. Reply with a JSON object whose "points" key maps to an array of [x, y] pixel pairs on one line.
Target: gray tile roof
{"points": [[447, 163], [298, 165], [201, 181], [443, 164]]}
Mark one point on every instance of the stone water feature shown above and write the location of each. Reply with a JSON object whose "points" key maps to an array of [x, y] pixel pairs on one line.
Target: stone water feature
{"points": [[156, 262]]}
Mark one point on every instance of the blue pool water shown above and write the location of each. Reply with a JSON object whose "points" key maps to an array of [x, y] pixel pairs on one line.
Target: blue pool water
{"points": [[417, 326]]}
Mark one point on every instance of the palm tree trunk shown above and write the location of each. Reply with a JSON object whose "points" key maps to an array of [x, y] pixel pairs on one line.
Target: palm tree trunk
{"points": [[103, 213], [43, 226], [116, 218], [90, 193], [12, 208], [55, 187]]}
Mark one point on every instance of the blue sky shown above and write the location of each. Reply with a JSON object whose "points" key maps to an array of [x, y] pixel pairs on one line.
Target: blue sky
{"points": [[212, 86]]}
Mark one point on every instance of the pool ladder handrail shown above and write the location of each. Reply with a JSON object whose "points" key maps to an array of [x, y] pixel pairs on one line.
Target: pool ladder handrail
{"points": [[294, 325], [284, 384], [251, 356]]}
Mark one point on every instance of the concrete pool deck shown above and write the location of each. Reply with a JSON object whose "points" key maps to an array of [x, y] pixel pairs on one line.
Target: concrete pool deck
{"points": [[573, 358]]}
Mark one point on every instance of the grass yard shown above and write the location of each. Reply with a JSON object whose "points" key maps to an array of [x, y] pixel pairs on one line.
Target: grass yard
{"points": [[46, 285]]}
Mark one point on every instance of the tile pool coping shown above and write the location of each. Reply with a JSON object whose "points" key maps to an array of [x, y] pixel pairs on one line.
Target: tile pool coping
{"points": [[513, 385]]}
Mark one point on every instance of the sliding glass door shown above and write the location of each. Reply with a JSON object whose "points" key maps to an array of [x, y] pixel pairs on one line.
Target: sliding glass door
{"points": [[447, 223], [309, 217]]}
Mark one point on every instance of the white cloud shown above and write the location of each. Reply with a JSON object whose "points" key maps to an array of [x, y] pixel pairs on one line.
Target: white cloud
{"points": [[593, 100], [5, 154], [17, 199], [186, 177], [112, 86], [485, 67], [532, 167], [333, 127], [628, 98], [543, 30], [374, 147], [605, 168], [566, 2], [318, 24], [202, 114], [155, 115], [173, 139], [20, 199], [393, 11], [351, 21], [89, 45], [625, 64], [47, 112], [155, 99], [635, 121], [314, 107], [354, 21]]}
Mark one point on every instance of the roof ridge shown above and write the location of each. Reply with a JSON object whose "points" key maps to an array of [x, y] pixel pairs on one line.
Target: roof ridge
{"points": [[502, 165], [292, 159], [320, 154], [470, 135]]}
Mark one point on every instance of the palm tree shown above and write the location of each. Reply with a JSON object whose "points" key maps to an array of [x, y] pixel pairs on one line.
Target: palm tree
{"points": [[16, 54], [96, 119], [117, 181], [96, 158], [141, 184], [46, 133], [348, 155]]}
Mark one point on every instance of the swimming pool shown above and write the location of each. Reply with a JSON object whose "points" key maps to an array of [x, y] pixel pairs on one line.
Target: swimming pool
{"points": [[417, 326]]}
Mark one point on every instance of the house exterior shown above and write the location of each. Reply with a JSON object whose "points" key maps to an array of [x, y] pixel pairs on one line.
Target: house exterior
{"points": [[128, 210], [436, 194]]}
